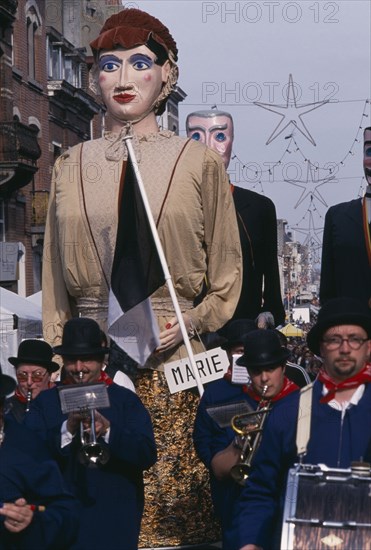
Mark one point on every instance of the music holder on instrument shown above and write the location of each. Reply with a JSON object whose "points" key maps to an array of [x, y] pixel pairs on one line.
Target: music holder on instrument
{"points": [[223, 413], [83, 397]]}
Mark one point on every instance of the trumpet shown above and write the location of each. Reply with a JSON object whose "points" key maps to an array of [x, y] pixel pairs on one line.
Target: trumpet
{"points": [[250, 427], [91, 452], [28, 402]]}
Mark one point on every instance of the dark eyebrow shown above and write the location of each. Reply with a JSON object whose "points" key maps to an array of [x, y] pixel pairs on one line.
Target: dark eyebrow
{"points": [[139, 55], [211, 129], [110, 56]]}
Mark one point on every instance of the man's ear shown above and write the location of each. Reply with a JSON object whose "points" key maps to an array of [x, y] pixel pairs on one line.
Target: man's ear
{"points": [[165, 71]]}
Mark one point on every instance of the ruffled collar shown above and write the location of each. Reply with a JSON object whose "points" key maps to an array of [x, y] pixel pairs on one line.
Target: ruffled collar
{"points": [[116, 149]]}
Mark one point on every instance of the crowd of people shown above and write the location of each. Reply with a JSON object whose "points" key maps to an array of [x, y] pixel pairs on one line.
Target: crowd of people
{"points": [[103, 455], [64, 472]]}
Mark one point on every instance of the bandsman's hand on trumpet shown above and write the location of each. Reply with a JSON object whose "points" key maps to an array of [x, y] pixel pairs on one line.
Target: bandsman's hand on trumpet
{"points": [[75, 419]]}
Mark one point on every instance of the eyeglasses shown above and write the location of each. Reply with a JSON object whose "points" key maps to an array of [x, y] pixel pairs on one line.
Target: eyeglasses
{"points": [[334, 342], [36, 376]]}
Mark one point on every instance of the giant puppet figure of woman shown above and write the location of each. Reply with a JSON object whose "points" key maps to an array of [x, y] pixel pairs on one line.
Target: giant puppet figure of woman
{"points": [[346, 247], [187, 188], [261, 291]]}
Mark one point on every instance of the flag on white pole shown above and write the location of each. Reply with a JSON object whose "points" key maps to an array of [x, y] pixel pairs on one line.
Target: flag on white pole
{"points": [[136, 274]]}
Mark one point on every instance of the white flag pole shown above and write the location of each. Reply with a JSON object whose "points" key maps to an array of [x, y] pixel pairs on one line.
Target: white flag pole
{"points": [[168, 279]]}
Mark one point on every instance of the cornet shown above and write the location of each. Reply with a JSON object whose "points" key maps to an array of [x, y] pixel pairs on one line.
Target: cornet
{"points": [[28, 402], [250, 427], [91, 452]]}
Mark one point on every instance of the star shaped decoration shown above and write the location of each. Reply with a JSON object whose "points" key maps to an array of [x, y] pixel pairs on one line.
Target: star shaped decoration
{"points": [[293, 115], [313, 240], [311, 231], [310, 186]]}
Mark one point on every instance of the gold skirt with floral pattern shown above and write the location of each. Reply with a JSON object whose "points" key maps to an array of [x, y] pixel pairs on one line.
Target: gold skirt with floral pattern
{"points": [[178, 508]]}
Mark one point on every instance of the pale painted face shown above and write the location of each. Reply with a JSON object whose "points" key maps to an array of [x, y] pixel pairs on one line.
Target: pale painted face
{"points": [[367, 156], [343, 362], [130, 81], [216, 132]]}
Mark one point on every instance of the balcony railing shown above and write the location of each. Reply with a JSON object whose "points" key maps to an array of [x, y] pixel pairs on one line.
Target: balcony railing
{"points": [[18, 143], [19, 151]]}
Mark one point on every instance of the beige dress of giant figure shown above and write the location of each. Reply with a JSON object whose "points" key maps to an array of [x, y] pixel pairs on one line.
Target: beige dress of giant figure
{"points": [[190, 199]]}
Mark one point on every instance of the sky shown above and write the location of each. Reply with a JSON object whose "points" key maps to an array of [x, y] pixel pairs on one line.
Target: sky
{"points": [[233, 54]]}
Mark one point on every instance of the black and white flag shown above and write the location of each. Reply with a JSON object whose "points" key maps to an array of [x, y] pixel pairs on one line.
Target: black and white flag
{"points": [[136, 274]]}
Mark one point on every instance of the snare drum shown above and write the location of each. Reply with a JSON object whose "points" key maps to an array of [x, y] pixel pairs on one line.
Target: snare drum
{"points": [[327, 509]]}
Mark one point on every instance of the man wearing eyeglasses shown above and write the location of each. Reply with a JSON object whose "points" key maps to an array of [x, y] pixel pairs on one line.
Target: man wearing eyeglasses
{"points": [[340, 427], [33, 369]]}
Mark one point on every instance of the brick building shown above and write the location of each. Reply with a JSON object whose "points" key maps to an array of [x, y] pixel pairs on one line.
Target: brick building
{"points": [[44, 109]]}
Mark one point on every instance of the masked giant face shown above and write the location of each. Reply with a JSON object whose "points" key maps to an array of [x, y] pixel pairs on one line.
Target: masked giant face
{"points": [[367, 154], [130, 81], [215, 131]]}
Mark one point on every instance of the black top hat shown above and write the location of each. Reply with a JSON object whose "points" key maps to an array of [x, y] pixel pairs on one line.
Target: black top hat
{"points": [[235, 331], [35, 352], [7, 384], [81, 337], [263, 349], [335, 312]]}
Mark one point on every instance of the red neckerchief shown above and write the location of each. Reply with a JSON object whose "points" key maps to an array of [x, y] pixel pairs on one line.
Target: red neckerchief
{"points": [[228, 375], [18, 395], [362, 377], [23, 399], [287, 388], [103, 377]]}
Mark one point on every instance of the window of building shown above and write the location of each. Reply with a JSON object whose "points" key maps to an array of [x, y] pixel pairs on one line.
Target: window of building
{"points": [[33, 22], [63, 64], [55, 62], [72, 70]]}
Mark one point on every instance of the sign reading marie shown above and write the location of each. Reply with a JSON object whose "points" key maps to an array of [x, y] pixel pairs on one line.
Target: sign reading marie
{"points": [[211, 365]]}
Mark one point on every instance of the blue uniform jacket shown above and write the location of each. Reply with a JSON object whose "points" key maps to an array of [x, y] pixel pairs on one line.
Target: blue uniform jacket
{"points": [[209, 439], [26, 471], [333, 441], [112, 495]]}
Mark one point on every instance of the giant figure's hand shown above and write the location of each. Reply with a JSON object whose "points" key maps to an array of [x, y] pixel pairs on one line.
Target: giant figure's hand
{"points": [[18, 515], [172, 336]]}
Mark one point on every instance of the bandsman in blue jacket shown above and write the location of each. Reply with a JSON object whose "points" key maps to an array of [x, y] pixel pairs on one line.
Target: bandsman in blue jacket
{"points": [[36, 510], [110, 487], [340, 428], [219, 447]]}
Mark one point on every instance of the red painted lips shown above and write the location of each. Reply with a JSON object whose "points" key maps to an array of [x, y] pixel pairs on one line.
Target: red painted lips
{"points": [[124, 98]]}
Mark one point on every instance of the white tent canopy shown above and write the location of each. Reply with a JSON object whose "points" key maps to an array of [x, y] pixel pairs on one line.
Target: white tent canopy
{"points": [[20, 318], [13, 304]]}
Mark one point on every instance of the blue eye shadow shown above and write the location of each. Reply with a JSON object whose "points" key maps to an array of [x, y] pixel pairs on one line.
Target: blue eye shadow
{"points": [[141, 57], [108, 59]]}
